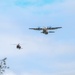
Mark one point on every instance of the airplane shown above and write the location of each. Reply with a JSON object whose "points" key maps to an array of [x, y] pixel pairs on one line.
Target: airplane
{"points": [[3, 65], [18, 46], [45, 29]]}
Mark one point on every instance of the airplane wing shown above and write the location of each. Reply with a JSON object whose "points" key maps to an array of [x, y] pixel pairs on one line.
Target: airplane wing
{"points": [[36, 28], [53, 28]]}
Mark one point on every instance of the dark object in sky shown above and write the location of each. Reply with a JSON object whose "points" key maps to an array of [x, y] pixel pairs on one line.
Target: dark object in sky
{"points": [[18, 46], [45, 29], [3, 65]]}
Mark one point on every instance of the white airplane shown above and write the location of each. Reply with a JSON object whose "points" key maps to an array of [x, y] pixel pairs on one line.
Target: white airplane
{"points": [[45, 29]]}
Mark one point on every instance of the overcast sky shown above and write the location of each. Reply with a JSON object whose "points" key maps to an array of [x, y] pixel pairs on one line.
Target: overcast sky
{"points": [[52, 54]]}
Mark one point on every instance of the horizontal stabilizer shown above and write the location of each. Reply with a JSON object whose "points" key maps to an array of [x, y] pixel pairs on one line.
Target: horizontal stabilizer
{"points": [[51, 32]]}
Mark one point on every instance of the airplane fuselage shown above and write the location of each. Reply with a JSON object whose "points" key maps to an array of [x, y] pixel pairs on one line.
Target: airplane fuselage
{"points": [[45, 31]]}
